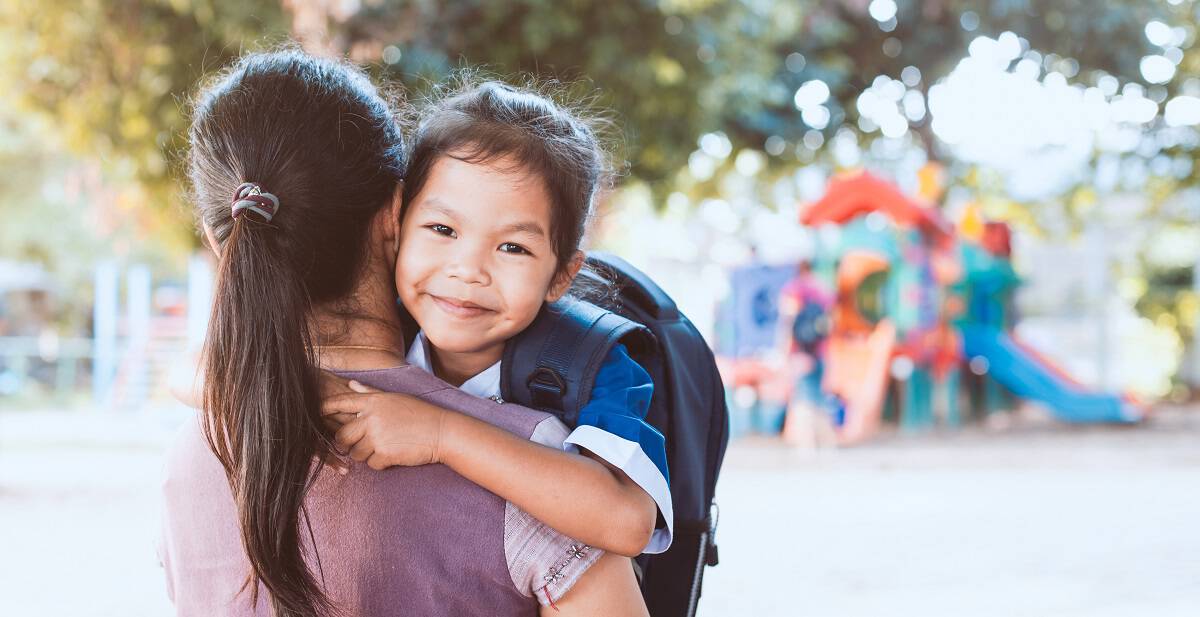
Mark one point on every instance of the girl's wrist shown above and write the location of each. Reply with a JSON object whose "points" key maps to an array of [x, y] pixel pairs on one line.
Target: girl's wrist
{"points": [[449, 437]]}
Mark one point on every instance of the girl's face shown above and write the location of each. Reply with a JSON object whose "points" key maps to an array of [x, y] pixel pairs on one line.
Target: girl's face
{"points": [[475, 262]]}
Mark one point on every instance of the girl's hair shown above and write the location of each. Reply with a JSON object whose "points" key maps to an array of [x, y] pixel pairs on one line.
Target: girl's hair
{"points": [[497, 124], [316, 134]]}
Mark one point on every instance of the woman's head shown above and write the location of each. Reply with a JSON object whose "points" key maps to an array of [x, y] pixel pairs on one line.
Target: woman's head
{"points": [[499, 192], [316, 135]]}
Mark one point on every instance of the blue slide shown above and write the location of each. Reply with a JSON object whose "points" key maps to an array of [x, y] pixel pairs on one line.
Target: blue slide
{"points": [[1027, 377]]}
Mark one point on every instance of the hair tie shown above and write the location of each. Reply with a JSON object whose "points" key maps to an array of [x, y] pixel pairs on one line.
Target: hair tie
{"points": [[250, 196]]}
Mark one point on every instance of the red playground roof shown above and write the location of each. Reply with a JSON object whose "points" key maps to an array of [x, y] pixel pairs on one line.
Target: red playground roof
{"points": [[854, 195]]}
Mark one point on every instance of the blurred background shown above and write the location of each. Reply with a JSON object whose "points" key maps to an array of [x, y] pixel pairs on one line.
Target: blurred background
{"points": [[947, 253]]}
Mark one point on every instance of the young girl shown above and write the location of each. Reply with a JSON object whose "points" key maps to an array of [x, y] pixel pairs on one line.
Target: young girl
{"points": [[496, 200]]}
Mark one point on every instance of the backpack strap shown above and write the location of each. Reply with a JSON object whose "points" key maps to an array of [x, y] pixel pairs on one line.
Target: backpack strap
{"points": [[552, 364]]}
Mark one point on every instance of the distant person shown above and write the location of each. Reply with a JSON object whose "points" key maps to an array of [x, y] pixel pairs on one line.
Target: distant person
{"points": [[296, 164], [804, 314]]}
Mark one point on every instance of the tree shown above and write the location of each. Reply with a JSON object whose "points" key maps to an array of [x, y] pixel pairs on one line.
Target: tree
{"points": [[113, 80], [637, 58], [115, 76]]}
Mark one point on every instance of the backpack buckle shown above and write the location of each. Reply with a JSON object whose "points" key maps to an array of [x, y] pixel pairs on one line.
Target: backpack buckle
{"points": [[546, 388]]}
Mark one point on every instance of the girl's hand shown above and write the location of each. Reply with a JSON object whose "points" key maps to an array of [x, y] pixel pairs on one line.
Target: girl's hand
{"points": [[384, 429]]}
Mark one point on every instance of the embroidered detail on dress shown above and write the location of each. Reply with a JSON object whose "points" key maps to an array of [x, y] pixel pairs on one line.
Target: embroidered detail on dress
{"points": [[576, 551]]}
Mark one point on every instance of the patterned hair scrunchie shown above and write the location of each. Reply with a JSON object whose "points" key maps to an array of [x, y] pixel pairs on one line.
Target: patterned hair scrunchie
{"points": [[250, 196]]}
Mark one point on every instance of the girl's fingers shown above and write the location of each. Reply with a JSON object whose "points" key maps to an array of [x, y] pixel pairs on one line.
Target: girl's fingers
{"points": [[349, 402], [361, 451], [376, 462], [350, 434], [361, 388], [335, 421]]}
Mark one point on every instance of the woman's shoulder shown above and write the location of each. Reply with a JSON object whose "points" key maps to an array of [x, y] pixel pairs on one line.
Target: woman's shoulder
{"points": [[191, 465], [189, 441], [404, 379]]}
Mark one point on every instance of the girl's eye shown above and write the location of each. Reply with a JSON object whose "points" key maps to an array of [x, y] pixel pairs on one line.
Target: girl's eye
{"points": [[516, 249], [441, 230]]}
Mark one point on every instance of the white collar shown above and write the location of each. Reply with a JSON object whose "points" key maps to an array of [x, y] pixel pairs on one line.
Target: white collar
{"points": [[484, 385]]}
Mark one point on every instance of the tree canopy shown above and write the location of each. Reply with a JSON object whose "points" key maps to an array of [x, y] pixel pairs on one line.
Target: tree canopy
{"points": [[779, 77]]}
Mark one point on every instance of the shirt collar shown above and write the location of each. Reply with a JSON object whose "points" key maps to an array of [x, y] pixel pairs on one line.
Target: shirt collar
{"points": [[484, 385]]}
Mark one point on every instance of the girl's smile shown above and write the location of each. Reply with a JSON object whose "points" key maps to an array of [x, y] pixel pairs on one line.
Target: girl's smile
{"points": [[461, 309], [476, 261]]}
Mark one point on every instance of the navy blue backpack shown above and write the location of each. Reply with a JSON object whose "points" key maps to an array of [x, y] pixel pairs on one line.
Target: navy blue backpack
{"points": [[552, 366]]}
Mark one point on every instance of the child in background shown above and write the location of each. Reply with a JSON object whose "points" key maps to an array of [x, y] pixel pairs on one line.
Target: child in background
{"points": [[496, 200]]}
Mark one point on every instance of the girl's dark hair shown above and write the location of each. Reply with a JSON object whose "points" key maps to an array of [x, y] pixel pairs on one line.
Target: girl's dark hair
{"points": [[317, 134], [495, 123]]}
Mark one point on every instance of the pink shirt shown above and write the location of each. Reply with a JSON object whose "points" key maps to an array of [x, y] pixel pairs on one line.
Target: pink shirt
{"points": [[406, 540]]}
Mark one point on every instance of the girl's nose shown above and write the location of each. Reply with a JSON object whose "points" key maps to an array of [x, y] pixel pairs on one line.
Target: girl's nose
{"points": [[469, 268]]}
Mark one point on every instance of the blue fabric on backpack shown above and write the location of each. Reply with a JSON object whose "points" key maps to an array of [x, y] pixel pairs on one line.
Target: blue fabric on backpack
{"points": [[618, 405]]}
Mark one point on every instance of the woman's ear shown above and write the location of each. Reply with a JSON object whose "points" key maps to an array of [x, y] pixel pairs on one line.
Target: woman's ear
{"points": [[211, 238], [386, 225], [563, 280], [395, 211]]}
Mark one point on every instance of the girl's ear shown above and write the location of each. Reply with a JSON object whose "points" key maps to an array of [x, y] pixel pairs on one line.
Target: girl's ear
{"points": [[563, 280]]}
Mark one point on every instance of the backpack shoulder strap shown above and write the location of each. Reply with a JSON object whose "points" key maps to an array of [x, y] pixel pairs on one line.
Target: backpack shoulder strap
{"points": [[552, 364]]}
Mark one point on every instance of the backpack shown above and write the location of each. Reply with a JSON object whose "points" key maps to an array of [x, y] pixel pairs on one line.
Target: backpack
{"points": [[810, 327], [552, 366]]}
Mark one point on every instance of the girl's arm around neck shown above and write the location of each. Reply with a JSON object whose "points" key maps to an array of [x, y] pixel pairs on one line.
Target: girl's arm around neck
{"points": [[580, 497]]}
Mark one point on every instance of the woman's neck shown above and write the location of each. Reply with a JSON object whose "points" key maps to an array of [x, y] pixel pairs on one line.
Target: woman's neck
{"points": [[364, 341]]}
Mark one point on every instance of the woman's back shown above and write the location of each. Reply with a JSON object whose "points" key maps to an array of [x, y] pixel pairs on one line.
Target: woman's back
{"points": [[420, 541]]}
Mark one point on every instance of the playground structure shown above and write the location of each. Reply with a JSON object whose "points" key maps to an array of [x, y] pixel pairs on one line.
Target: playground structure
{"points": [[920, 330], [143, 336]]}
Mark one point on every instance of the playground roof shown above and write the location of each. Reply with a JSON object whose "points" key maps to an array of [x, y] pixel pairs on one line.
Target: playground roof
{"points": [[851, 196]]}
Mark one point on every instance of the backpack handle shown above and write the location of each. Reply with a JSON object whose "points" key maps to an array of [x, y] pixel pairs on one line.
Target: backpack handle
{"points": [[645, 294]]}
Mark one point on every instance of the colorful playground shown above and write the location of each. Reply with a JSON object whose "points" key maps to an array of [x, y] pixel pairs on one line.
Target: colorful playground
{"points": [[918, 331]]}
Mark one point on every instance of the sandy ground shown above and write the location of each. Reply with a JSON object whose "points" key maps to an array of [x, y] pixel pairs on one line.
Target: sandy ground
{"points": [[1030, 519]]}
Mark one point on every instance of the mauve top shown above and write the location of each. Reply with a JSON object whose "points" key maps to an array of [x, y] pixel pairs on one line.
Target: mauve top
{"points": [[403, 541]]}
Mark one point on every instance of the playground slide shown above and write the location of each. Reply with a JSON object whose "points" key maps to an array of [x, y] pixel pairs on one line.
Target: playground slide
{"points": [[857, 371], [1031, 377]]}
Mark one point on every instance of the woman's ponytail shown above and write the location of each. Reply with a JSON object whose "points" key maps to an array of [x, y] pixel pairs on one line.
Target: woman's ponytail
{"points": [[258, 370], [316, 134]]}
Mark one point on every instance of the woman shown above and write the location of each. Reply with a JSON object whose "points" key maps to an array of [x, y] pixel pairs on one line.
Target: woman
{"points": [[296, 164]]}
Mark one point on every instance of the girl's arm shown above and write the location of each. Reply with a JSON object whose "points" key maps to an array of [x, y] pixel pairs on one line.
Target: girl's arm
{"points": [[607, 589], [580, 497]]}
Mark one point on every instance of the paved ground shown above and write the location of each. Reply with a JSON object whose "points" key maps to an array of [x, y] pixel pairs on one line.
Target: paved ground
{"points": [[1032, 519]]}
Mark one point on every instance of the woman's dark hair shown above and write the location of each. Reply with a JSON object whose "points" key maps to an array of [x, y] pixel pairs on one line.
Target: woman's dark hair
{"points": [[317, 134], [495, 123]]}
